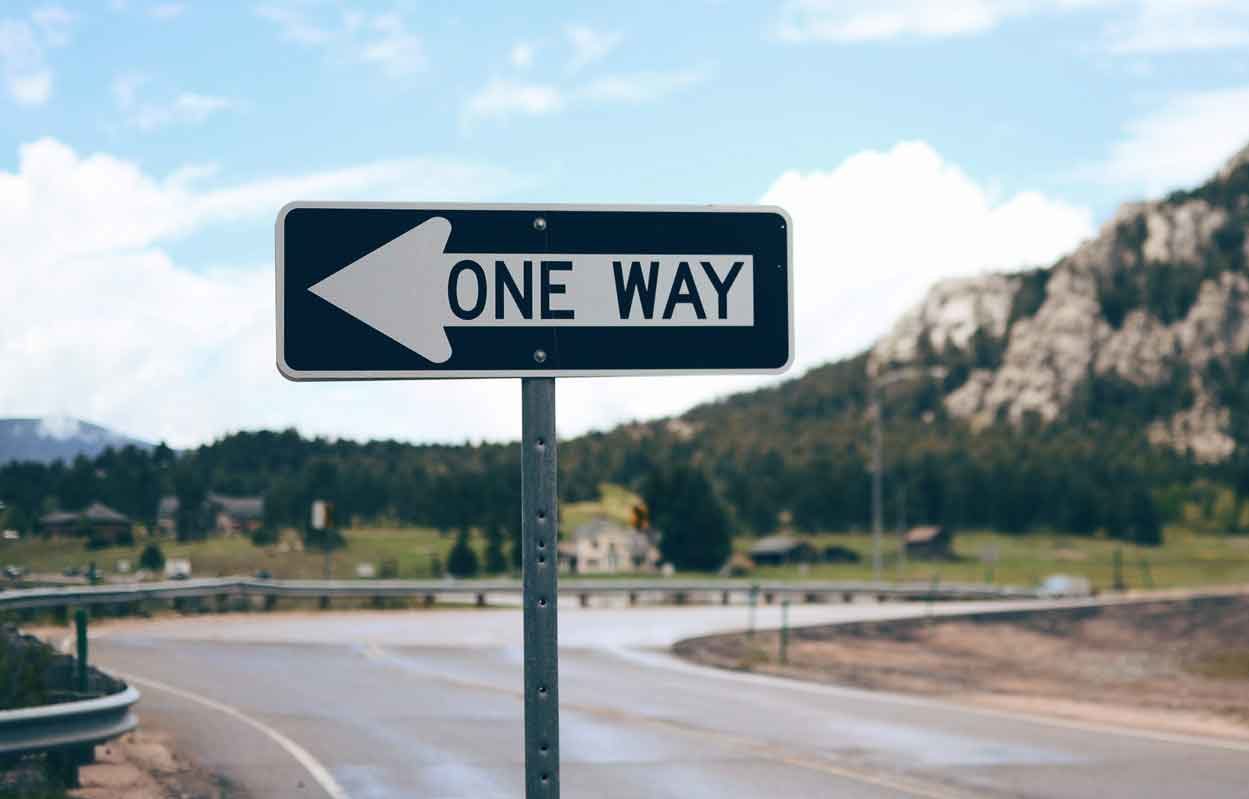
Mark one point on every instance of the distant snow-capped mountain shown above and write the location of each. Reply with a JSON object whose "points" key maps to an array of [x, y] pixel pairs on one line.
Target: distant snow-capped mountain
{"points": [[54, 438]]}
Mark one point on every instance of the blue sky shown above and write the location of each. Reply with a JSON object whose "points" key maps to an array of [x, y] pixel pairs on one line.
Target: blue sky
{"points": [[994, 134]]}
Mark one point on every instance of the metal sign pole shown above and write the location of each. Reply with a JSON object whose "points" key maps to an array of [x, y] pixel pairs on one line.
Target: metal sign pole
{"points": [[540, 564]]}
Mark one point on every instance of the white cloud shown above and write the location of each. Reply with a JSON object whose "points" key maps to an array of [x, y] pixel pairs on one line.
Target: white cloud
{"points": [[26, 75], [1180, 143], [187, 108], [294, 25], [868, 20], [589, 45], [1131, 26], [382, 40], [522, 55], [125, 88], [873, 234], [1161, 26], [54, 22], [184, 108], [641, 87], [31, 89], [100, 322], [386, 42], [165, 11], [502, 98]]}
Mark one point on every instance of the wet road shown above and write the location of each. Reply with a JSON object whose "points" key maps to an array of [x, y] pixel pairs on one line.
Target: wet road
{"points": [[428, 704]]}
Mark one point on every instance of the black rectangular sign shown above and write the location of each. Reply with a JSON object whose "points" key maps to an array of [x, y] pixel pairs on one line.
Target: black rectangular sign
{"points": [[375, 290]]}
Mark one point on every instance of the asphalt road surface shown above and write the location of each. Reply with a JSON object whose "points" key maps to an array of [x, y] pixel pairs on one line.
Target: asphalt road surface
{"points": [[372, 705]]}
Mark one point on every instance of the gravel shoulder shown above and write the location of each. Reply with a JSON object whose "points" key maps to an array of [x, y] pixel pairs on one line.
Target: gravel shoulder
{"points": [[1179, 666], [146, 765]]}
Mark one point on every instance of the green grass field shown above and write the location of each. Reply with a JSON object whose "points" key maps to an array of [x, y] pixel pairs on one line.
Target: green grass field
{"points": [[1187, 558]]}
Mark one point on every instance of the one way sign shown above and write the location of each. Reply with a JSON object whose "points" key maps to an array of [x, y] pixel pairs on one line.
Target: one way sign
{"points": [[416, 291]]}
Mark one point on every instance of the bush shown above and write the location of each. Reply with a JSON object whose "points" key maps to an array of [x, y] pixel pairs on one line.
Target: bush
{"points": [[265, 536], [462, 560], [496, 562], [152, 558]]}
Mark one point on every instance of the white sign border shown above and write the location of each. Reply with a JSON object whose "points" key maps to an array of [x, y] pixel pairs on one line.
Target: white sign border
{"points": [[303, 375]]}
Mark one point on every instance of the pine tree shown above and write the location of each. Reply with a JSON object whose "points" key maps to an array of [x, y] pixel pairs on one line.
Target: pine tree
{"points": [[462, 560], [695, 528], [496, 562]]}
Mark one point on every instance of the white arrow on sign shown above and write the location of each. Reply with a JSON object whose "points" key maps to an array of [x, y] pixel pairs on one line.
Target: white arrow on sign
{"points": [[411, 290]]}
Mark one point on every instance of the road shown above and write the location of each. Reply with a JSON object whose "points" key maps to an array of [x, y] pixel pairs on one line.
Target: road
{"points": [[372, 705]]}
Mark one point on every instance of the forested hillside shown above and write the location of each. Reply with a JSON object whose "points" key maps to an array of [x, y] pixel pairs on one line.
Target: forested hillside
{"points": [[1090, 395]]}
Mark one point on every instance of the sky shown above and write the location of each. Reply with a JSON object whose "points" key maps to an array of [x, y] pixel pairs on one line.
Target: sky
{"points": [[146, 147]]}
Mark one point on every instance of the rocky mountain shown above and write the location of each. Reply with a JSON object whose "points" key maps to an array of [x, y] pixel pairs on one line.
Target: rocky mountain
{"points": [[1157, 303], [56, 438]]}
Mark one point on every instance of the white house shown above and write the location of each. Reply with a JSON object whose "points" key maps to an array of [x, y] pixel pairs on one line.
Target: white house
{"points": [[601, 546]]}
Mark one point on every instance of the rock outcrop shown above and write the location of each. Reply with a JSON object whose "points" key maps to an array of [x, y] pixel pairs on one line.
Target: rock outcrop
{"points": [[1156, 299]]}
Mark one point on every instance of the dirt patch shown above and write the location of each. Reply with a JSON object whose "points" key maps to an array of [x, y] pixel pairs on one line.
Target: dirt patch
{"points": [[1180, 666], [144, 765]]}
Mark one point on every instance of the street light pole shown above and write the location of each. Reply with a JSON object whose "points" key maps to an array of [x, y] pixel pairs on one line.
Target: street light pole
{"points": [[874, 385]]}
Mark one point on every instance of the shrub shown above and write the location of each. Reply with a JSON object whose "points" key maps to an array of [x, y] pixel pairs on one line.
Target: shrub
{"points": [[462, 560], [152, 558]]}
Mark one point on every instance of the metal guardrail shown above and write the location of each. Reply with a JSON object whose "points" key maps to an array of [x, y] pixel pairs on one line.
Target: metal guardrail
{"points": [[33, 598], [67, 725]]}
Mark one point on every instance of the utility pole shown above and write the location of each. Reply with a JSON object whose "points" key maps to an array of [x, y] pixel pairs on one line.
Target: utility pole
{"points": [[877, 475]]}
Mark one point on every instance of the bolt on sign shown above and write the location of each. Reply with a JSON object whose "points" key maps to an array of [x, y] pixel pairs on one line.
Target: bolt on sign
{"points": [[373, 291], [413, 291]]}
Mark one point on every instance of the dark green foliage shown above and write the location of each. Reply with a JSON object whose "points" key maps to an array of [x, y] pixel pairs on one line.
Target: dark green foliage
{"points": [[265, 536], [152, 558], [1170, 290], [696, 532], [496, 562], [462, 560], [24, 662], [1030, 294], [324, 540]]}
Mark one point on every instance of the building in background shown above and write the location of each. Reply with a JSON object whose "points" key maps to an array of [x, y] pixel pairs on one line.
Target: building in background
{"points": [[601, 546], [930, 541], [779, 550], [230, 515], [98, 523]]}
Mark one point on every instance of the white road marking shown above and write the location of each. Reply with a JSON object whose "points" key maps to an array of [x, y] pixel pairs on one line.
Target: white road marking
{"points": [[315, 769]]}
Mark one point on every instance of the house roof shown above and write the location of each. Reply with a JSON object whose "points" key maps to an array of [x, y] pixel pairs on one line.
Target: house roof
{"points": [[598, 526], [96, 512], [924, 534], [168, 507], [99, 512], [776, 545], [241, 507], [59, 517]]}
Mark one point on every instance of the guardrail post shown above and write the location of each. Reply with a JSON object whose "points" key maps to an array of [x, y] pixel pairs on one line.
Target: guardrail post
{"points": [[754, 601], [724, 597], [1147, 576], [80, 673], [481, 600], [784, 641], [633, 598]]}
